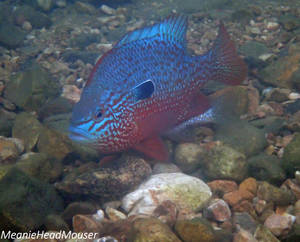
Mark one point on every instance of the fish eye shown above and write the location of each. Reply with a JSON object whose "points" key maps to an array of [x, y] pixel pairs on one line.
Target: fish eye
{"points": [[98, 114]]}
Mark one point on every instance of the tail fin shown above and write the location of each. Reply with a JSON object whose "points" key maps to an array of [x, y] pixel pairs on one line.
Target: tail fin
{"points": [[227, 66]]}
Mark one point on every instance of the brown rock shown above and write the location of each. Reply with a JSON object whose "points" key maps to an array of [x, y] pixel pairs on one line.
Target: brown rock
{"points": [[249, 184], [279, 224], [233, 198], [245, 206], [223, 186], [217, 210], [86, 223], [260, 206], [166, 212], [9, 150], [244, 236], [295, 188]]}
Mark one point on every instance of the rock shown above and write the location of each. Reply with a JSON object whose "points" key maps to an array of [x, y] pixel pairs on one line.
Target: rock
{"points": [[222, 186], [188, 156], [106, 184], [243, 236], [85, 56], [99, 216], [185, 191], [242, 136], [151, 229], [27, 26], [266, 168], [245, 206], [45, 5], [223, 162], [274, 194], [48, 143], [197, 229], [25, 202], [263, 234], [40, 166], [77, 208], [279, 73], [83, 40], [31, 89], [56, 106], [114, 214], [6, 122], [279, 225], [9, 150], [108, 10], [249, 185], [217, 210], [165, 168], [35, 18], [61, 123], [245, 221], [10, 35], [86, 224], [71, 93], [291, 155], [278, 95], [27, 128], [235, 197], [166, 212], [289, 22], [253, 50], [84, 8], [55, 222]]}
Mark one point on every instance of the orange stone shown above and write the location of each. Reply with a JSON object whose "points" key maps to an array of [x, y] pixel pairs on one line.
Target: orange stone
{"points": [[250, 185], [233, 198], [224, 186]]}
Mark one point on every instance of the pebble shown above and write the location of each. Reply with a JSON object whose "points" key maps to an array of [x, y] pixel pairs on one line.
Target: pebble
{"points": [[223, 186], [294, 96], [218, 210], [108, 10], [280, 224], [114, 214], [27, 26], [99, 215], [71, 92], [243, 236], [166, 212], [272, 25]]}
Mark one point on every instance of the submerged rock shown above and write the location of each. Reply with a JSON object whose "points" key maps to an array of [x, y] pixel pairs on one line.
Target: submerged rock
{"points": [[291, 155], [10, 35], [9, 150], [151, 229], [274, 194], [263, 234], [31, 89], [197, 229], [188, 156], [242, 136], [6, 122], [107, 184], [223, 162], [27, 128], [54, 144], [40, 166], [185, 191], [25, 202], [266, 168]]}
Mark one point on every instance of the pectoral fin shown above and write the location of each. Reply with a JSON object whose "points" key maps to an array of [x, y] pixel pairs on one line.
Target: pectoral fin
{"points": [[153, 148]]}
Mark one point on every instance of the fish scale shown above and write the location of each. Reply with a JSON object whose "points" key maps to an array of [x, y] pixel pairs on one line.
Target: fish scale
{"points": [[147, 85]]}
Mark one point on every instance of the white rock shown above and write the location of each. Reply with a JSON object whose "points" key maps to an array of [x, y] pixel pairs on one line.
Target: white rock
{"points": [[272, 25], [187, 192], [107, 10], [294, 96], [99, 215]]}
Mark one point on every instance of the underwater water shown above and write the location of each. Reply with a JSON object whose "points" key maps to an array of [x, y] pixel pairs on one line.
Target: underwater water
{"points": [[151, 120]]}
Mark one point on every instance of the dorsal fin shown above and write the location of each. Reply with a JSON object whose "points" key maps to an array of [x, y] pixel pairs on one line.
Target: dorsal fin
{"points": [[173, 28]]}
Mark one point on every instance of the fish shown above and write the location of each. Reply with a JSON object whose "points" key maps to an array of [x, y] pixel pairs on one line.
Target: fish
{"points": [[148, 85]]}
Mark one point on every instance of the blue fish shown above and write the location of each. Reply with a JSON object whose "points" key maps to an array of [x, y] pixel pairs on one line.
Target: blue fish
{"points": [[147, 85]]}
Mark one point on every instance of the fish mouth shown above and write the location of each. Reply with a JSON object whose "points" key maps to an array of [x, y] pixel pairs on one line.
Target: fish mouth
{"points": [[79, 135]]}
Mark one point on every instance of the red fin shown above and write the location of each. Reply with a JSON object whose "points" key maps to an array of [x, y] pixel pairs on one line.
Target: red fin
{"points": [[153, 148], [227, 66]]}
